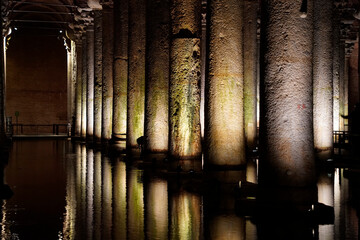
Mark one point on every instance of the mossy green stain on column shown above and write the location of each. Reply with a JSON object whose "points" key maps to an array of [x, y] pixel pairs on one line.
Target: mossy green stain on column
{"points": [[185, 99]]}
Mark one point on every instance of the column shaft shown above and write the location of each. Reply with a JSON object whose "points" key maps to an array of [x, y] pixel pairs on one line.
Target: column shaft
{"points": [[73, 84], [120, 67], [136, 81], [78, 91], [84, 87], [90, 83], [286, 137], [250, 71], [185, 77], [322, 74], [97, 75], [157, 80], [224, 114], [107, 63], [336, 72]]}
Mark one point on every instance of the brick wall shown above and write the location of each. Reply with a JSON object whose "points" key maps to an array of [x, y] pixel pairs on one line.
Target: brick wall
{"points": [[36, 79]]}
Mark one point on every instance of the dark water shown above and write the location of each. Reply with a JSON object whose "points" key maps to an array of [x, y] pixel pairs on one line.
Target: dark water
{"points": [[63, 190]]}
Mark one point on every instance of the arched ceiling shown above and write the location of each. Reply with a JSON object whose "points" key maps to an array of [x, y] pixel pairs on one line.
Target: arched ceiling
{"points": [[60, 15], [73, 15]]}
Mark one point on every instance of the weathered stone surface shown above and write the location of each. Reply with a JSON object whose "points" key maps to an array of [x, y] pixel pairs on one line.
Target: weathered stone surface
{"points": [[157, 80], [73, 83], [136, 81], [107, 72], [120, 68], [250, 71], [97, 75], [286, 137], [84, 87], [186, 17], [90, 83], [78, 91], [225, 141], [185, 132], [322, 72], [336, 74]]}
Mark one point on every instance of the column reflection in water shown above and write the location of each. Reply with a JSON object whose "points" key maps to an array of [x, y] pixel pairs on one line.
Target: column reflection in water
{"points": [[135, 203], [185, 212], [221, 220], [337, 203], [90, 193], [119, 204], [106, 198], [325, 187], [70, 208], [82, 197], [157, 222], [97, 195]]}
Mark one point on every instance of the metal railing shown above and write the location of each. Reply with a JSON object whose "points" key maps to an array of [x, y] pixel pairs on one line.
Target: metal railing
{"points": [[37, 129]]}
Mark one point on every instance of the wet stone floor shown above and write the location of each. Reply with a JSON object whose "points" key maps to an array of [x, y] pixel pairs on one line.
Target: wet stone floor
{"points": [[66, 190]]}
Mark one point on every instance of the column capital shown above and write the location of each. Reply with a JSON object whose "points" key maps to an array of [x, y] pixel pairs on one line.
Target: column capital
{"points": [[107, 3]]}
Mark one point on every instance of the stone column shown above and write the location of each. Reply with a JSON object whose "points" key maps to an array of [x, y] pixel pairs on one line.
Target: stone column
{"points": [[342, 83], [90, 82], [157, 76], [286, 137], [184, 114], [120, 68], [69, 60], [136, 81], [336, 71], [84, 87], [353, 90], [2, 90], [73, 85], [346, 89], [322, 77], [107, 68], [97, 75], [78, 87], [250, 71], [224, 114]]}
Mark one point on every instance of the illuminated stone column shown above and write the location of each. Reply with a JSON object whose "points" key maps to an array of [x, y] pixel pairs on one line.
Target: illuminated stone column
{"points": [[97, 75], [73, 85], [90, 83], [136, 81], [336, 72], [286, 137], [250, 71], [107, 70], [84, 87], [69, 61], [346, 90], [120, 68], [224, 114], [157, 76], [185, 131], [353, 77], [322, 78], [78, 87], [342, 83], [2, 88]]}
